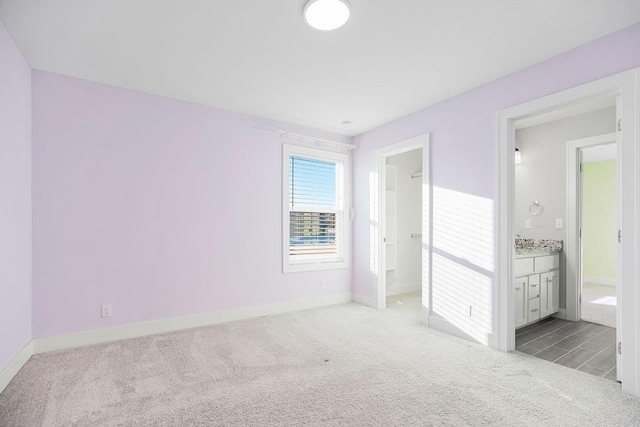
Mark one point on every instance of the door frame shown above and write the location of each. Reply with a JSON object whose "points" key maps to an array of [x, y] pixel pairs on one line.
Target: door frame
{"points": [[623, 85], [379, 215]]}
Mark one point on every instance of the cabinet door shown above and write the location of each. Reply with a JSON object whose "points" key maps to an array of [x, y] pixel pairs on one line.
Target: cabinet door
{"points": [[534, 286], [533, 306], [549, 293], [520, 297]]}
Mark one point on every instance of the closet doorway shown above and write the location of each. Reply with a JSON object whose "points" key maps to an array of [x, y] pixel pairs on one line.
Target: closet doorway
{"points": [[401, 226]]}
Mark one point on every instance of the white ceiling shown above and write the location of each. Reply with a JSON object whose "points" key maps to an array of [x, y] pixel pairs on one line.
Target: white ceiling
{"points": [[392, 58]]}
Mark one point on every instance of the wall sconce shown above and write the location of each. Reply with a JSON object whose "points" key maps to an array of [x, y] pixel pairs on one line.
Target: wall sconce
{"points": [[518, 157]]}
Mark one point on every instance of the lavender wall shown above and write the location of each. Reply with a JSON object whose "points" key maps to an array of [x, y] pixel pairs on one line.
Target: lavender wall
{"points": [[159, 207], [15, 199], [464, 161]]}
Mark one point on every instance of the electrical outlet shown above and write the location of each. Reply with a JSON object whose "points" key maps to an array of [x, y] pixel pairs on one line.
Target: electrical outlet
{"points": [[106, 310], [559, 223], [323, 284], [527, 223]]}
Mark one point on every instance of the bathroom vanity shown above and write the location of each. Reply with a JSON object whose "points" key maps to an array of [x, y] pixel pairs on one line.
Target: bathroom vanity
{"points": [[537, 280]]}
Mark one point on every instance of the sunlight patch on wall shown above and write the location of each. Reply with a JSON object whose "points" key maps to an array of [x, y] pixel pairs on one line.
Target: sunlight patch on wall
{"points": [[463, 261], [463, 226]]}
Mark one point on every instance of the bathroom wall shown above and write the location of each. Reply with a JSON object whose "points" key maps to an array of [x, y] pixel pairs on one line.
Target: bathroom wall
{"points": [[542, 175], [599, 222], [408, 220]]}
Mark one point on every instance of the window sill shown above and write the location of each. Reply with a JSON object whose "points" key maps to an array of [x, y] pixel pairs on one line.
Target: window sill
{"points": [[297, 267]]}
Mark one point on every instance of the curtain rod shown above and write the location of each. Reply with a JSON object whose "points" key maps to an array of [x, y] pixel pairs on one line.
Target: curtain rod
{"points": [[285, 134]]}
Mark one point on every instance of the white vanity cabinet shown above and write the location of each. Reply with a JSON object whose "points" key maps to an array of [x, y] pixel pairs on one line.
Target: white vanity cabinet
{"points": [[536, 287]]}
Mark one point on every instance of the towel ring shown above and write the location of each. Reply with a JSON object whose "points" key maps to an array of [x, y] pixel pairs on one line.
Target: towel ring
{"points": [[536, 208]]}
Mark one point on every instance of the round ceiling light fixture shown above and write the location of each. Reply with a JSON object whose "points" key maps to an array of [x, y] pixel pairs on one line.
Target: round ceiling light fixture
{"points": [[326, 15]]}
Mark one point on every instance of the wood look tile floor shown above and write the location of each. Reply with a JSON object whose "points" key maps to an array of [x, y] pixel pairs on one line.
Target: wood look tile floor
{"points": [[584, 346]]}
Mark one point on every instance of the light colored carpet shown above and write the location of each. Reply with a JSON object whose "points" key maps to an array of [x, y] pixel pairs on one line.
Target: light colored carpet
{"points": [[335, 366], [599, 304]]}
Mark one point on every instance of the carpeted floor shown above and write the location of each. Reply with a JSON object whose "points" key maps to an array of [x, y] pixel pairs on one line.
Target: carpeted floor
{"points": [[599, 304], [335, 366]]}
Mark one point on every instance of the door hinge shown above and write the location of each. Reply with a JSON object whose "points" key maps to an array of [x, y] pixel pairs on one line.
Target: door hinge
{"points": [[619, 125], [580, 167], [619, 236], [580, 233], [620, 347]]}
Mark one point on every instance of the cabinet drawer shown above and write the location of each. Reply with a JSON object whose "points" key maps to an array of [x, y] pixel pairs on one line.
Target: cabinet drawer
{"points": [[522, 265], [548, 262], [534, 286], [533, 310]]}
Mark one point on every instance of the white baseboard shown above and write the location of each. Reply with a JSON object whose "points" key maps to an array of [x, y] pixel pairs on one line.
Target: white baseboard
{"points": [[608, 281], [443, 325], [404, 289], [133, 330], [10, 371], [362, 300]]}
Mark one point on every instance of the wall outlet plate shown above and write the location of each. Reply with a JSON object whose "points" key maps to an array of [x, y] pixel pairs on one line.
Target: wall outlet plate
{"points": [[527, 223], [105, 310], [559, 223]]}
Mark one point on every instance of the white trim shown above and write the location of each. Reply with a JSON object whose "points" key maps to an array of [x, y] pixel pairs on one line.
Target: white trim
{"points": [[606, 281], [380, 155], [626, 86], [12, 369], [133, 330], [403, 289], [572, 247], [363, 300], [345, 238], [308, 139]]}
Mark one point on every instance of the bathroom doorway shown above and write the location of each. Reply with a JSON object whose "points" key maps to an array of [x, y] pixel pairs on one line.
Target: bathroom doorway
{"points": [[598, 230], [554, 172]]}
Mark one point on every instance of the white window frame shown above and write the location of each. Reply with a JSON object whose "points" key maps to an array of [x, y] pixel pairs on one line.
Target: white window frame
{"points": [[289, 266]]}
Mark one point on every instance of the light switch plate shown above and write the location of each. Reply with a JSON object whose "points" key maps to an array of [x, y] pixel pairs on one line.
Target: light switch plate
{"points": [[527, 223], [559, 223]]}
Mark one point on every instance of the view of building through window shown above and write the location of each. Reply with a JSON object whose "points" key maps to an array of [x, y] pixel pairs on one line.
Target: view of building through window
{"points": [[313, 205]]}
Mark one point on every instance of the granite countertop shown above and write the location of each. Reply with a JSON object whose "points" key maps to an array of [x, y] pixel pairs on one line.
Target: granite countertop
{"points": [[530, 247]]}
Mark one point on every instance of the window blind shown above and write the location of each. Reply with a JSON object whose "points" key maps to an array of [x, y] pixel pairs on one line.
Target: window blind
{"points": [[314, 208]]}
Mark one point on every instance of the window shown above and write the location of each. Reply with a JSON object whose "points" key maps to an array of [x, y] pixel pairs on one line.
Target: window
{"points": [[315, 227]]}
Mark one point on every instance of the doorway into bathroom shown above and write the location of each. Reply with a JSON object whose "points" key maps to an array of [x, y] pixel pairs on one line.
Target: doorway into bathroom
{"points": [[558, 186]]}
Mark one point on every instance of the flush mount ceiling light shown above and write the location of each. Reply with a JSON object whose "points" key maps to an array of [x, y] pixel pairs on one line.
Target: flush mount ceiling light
{"points": [[326, 15]]}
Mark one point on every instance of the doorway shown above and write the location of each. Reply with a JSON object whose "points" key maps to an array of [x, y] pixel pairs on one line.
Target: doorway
{"points": [[403, 229], [548, 179], [401, 226], [623, 87]]}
